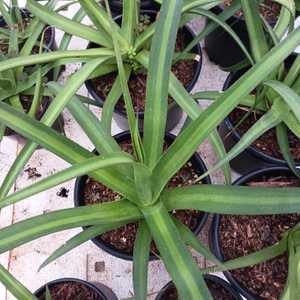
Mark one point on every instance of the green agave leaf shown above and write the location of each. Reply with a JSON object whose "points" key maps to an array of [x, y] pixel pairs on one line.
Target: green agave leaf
{"points": [[143, 184], [70, 26], [66, 39], [132, 120], [79, 239], [293, 72], [80, 169], [54, 56], [265, 123], [285, 21], [130, 19], [250, 259], [103, 20], [190, 239], [14, 286], [48, 294], [289, 4], [37, 94], [236, 200], [103, 141], [176, 257], [156, 106], [291, 98], [6, 15], [141, 252], [35, 227], [292, 123], [257, 37], [111, 101], [282, 139]]}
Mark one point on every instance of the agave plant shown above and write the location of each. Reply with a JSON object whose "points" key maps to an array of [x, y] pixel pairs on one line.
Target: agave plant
{"points": [[20, 36], [276, 98], [140, 178]]}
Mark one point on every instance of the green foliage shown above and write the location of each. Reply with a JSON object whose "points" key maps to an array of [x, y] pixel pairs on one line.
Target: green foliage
{"points": [[141, 178]]}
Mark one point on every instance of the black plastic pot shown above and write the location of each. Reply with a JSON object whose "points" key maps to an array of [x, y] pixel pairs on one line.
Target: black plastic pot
{"points": [[197, 163], [214, 231], [116, 6], [221, 48], [174, 111], [251, 159], [103, 291], [208, 278]]}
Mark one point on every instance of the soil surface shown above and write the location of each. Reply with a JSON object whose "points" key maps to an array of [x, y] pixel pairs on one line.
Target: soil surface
{"points": [[72, 291], [184, 70], [242, 235], [123, 238], [217, 291], [269, 10], [267, 143]]}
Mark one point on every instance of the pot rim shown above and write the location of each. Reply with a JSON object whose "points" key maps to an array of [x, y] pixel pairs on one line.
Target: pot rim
{"points": [[41, 290], [106, 246], [198, 67], [213, 278], [214, 242]]}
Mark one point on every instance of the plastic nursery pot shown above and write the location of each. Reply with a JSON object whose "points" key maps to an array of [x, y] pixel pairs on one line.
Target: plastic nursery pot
{"points": [[214, 230], [208, 278], [252, 158], [174, 111], [221, 48], [100, 289], [116, 6], [198, 165]]}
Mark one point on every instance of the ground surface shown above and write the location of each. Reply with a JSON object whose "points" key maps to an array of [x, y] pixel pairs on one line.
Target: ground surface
{"points": [[86, 262]]}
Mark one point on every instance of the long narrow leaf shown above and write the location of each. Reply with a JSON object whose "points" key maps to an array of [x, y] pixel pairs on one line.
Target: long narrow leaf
{"points": [[79, 239], [236, 200], [80, 169], [14, 286], [156, 107], [141, 253], [35, 227]]}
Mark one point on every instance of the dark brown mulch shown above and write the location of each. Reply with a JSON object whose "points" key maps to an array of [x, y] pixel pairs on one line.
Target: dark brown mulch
{"points": [[217, 291], [123, 238], [183, 70], [267, 143], [242, 235], [269, 10], [72, 291]]}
